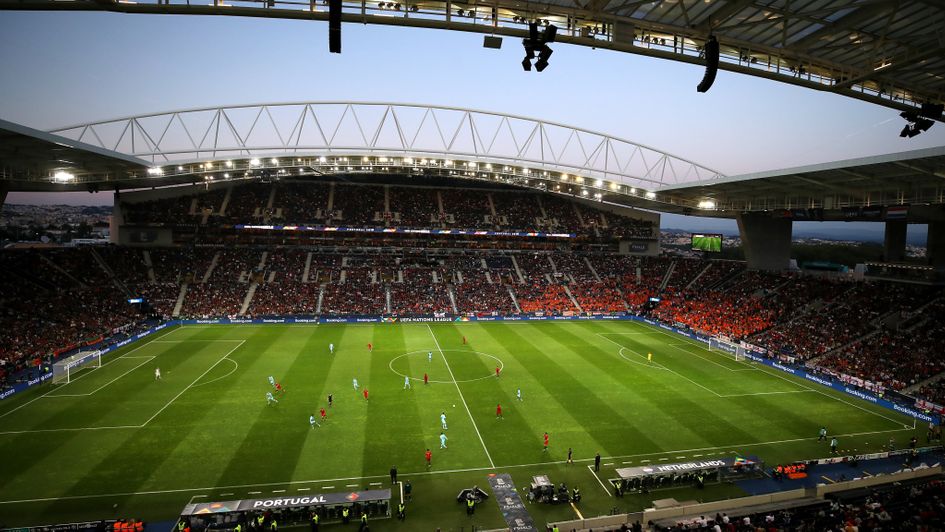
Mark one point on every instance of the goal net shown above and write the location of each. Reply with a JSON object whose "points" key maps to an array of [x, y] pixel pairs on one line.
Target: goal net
{"points": [[725, 346], [66, 369]]}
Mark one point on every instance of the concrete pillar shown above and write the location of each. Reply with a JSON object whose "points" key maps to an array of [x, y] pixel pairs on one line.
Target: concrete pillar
{"points": [[4, 188], [894, 249], [935, 246], [766, 241]]}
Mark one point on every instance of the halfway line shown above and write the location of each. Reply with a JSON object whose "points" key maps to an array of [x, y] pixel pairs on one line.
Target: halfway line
{"points": [[463, 399]]}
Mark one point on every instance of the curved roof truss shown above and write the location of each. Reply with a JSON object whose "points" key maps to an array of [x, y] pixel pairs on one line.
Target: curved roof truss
{"points": [[367, 137]]}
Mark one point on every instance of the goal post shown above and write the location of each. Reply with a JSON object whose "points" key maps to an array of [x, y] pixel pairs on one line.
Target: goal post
{"points": [[726, 346], [65, 370]]}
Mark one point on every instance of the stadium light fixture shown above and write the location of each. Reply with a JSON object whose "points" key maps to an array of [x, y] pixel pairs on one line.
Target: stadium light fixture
{"points": [[633, 190], [229, 164], [650, 195], [322, 159], [226, 175], [63, 176], [275, 161], [254, 162], [599, 183], [180, 168], [707, 204]]}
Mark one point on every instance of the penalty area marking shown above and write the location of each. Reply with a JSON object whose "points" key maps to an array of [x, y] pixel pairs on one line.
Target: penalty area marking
{"points": [[168, 333], [147, 359], [236, 366], [443, 351]]}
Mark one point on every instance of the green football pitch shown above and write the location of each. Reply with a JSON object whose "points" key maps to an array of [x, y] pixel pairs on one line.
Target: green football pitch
{"points": [[117, 442]]}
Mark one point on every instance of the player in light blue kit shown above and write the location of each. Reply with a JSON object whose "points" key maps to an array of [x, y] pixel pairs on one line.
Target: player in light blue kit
{"points": [[443, 420], [272, 382], [331, 349], [312, 422], [430, 357], [355, 383], [270, 399], [442, 441], [407, 383]]}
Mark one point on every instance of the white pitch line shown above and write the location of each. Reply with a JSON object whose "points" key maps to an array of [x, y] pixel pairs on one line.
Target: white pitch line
{"points": [[254, 492], [80, 376], [328, 487], [235, 367], [351, 485], [226, 494], [192, 383], [662, 366], [278, 491], [303, 489], [798, 384], [149, 359], [463, 399], [898, 423], [765, 393], [376, 484], [418, 473], [599, 481]]}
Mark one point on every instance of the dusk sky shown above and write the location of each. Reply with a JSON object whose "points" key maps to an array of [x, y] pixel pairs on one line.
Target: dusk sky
{"points": [[61, 69]]}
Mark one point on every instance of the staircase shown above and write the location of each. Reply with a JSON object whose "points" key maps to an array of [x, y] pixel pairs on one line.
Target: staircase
{"points": [[592, 270], [110, 273], [909, 390], [449, 291], [249, 298], [387, 298], [62, 271], [180, 300], [213, 265], [225, 203], [863, 338], [518, 309], [308, 267], [150, 265], [518, 271], [321, 297], [666, 276], [698, 275], [571, 297]]}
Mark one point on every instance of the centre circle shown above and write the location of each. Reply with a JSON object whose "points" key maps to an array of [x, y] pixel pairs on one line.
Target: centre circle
{"points": [[444, 352]]}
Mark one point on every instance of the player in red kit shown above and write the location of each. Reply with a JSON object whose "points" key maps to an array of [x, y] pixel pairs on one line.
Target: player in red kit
{"points": [[370, 347], [426, 379], [279, 387], [324, 415], [464, 340], [546, 443], [428, 455], [497, 372], [365, 392], [498, 410]]}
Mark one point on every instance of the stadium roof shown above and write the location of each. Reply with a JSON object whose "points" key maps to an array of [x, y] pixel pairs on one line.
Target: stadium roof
{"points": [[914, 178], [302, 140], [31, 159], [888, 52]]}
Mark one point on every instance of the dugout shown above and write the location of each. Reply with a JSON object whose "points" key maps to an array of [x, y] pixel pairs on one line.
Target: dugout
{"points": [[288, 511], [664, 476]]}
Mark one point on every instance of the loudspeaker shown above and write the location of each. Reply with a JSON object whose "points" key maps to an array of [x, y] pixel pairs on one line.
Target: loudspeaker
{"points": [[711, 64], [334, 26]]}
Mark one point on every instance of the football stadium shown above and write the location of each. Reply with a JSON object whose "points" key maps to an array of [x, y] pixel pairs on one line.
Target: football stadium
{"points": [[405, 316]]}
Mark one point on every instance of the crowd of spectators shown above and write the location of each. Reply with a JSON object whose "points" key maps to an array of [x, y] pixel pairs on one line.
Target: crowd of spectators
{"points": [[918, 506], [296, 202], [360, 205], [467, 207], [538, 296], [415, 206], [867, 330], [302, 203]]}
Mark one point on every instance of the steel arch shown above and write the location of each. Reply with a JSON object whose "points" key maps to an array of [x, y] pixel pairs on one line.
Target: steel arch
{"points": [[387, 130]]}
